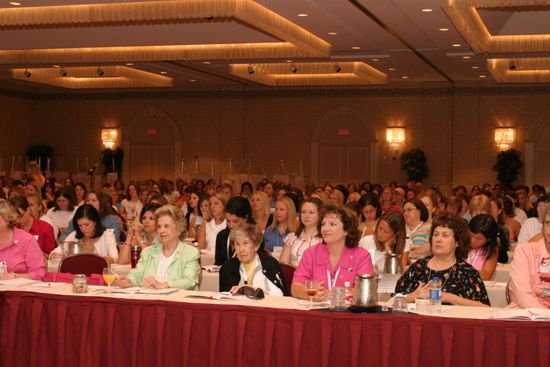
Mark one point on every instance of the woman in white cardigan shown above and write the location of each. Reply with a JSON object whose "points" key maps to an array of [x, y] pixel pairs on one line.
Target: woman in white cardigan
{"points": [[92, 234]]}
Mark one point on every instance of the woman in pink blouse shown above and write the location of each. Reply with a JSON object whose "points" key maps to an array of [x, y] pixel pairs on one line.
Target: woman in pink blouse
{"points": [[337, 259], [20, 255], [530, 273]]}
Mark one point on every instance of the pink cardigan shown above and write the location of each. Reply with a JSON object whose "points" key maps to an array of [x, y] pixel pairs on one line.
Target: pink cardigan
{"points": [[523, 276], [23, 255]]}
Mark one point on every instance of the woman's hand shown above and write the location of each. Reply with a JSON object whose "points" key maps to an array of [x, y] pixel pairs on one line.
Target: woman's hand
{"points": [[322, 294], [137, 229], [447, 297], [422, 291], [123, 282], [235, 289], [152, 282], [54, 256], [6, 276]]}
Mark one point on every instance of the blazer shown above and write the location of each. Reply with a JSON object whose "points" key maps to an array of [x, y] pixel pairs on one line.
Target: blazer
{"points": [[230, 275], [222, 252], [183, 272]]}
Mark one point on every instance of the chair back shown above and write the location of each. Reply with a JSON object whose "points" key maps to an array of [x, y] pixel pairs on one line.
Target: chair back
{"points": [[288, 274], [83, 264]]}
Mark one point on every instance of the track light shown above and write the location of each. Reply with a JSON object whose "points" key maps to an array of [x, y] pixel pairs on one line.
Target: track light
{"points": [[337, 68], [27, 73], [62, 72], [512, 65], [293, 69], [250, 69], [100, 71]]}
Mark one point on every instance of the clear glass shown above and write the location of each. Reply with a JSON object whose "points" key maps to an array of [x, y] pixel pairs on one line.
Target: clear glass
{"points": [[311, 288], [109, 277]]}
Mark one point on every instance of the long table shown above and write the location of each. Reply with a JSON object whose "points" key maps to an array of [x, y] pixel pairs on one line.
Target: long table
{"points": [[52, 327]]}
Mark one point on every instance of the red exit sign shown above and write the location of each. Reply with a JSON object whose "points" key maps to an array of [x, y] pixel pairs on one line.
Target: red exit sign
{"points": [[343, 131], [152, 132]]}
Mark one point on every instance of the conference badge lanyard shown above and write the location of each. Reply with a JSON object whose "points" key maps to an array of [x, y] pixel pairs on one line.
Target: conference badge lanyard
{"points": [[332, 281]]}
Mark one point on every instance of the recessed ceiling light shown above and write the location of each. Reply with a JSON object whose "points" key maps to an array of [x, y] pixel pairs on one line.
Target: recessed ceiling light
{"points": [[288, 60], [443, 29], [375, 59], [475, 67], [356, 48], [164, 72], [15, 3], [56, 66], [457, 45], [427, 10], [206, 62], [192, 80], [482, 76], [129, 64], [391, 69], [466, 57], [332, 33], [303, 15], [404, 77]]}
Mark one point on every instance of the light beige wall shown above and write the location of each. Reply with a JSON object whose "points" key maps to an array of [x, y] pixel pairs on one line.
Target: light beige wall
{"points": [[267, 129]]}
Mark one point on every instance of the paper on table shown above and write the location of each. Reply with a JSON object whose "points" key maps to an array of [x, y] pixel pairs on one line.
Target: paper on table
{"points": [[222, 296], [212, 268], [45, 285], [536, 314], [138, 290], [387, 283], [18, 282]]}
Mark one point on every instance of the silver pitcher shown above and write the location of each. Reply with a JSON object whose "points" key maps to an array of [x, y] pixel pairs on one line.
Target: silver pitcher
{"points": [[72, 248], [366, 290], [392, 264]]}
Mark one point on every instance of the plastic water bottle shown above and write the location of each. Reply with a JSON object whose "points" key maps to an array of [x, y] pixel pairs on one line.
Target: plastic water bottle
{"points": [[348, 291], [435, 296]]}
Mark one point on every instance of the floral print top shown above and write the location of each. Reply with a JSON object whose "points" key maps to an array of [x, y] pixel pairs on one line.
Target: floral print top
{"points": [[461, 279]]}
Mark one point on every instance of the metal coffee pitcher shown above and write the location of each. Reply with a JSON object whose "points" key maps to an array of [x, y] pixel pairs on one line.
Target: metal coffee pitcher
{"points": [[73, 248], [392, 264], [366, 290]]}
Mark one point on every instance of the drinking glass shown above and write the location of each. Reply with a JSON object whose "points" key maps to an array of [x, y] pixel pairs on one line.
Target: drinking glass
{"points": [[311, 287], [109, 277]]}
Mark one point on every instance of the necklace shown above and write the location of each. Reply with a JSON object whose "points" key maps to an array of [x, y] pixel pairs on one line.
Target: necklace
{"points": [[447, 275]]}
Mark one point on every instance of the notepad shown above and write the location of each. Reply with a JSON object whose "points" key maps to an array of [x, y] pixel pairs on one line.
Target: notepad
{"points": [[18, 282], [535, 314]]}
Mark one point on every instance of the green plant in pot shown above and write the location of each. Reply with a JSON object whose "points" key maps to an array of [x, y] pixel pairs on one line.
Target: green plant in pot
{"points": [[415, 164], [112, 160], [508, 167]]}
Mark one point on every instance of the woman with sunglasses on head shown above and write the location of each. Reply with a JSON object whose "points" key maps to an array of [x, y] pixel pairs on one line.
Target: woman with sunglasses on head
{"points": [[20, 254], [250, 266]]}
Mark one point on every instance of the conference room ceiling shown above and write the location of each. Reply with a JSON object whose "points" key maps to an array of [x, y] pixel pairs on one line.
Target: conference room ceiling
{"points": [[399, 38]]}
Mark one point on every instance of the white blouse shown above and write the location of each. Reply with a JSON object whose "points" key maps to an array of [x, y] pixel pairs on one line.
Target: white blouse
{"points": [[104, 246], [297, 245], [60, 218], [378, 257], [259, 280], [212, 230]]}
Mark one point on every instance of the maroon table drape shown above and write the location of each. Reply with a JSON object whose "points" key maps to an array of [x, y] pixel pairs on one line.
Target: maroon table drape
{"points": [[52, 330]]}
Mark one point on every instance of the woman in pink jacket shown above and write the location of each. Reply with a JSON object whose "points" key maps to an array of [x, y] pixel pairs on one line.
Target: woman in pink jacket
{"points": [[530, 274]]}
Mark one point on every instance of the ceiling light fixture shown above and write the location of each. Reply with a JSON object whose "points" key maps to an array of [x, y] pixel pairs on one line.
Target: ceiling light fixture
{"points": [[62, 72], [391, 69], [206, 62], [15, 3], [404, 77], [56, 66], [27, 73], [332, 33], [100, 71], [164, 72], [250, 69], [427, 10], [303, 15], [512, 65], [293, 69], [192, 80], [443, 29], [456, 45], [475, 67], [129, 64], [337, 68], [466, 57], [356, 48], [482, 76]]}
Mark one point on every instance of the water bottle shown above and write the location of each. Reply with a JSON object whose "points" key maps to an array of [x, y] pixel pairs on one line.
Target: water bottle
{"points": [[435, 296], [348, 294]]}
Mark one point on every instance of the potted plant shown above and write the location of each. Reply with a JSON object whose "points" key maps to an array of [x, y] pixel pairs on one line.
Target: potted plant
{"points": [[112, 160], [508, 167], [414, 164]]}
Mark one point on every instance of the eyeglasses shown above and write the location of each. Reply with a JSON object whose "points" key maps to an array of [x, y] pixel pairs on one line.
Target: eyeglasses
{"points": [[408, 210]]}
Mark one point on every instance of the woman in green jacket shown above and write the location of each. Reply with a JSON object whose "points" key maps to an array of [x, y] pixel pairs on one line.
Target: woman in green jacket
{"points": [[169, 263]]}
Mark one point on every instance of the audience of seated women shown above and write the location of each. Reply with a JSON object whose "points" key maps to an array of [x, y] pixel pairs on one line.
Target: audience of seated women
{"points": [[285, 221], [209, 230], [64, 208], [142, 233], [483, 253]]}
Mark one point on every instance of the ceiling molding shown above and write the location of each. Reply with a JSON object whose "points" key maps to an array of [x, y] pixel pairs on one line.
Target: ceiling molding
{"points": [[520, 70], [295, 41]]}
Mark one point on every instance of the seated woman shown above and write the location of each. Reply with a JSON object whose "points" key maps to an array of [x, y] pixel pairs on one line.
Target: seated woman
{"points": [[306, 235], [209, 230], [193, 216], [168, 263], [532, 226], [285, 221], [250, 266], [64, 208], [389, 237], [80, 193], [261, 211], [237, 212], [511, 223], [92, 234], [18, 249], [370, 212], [418, 229], [131, 206], [483, 254], [530, 273], [143, 233], [337, 259], [450, 243], [104, 205], [41, 230]]}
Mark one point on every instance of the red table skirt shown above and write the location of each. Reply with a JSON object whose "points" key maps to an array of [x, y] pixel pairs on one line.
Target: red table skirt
{"points": [[50, 330]]}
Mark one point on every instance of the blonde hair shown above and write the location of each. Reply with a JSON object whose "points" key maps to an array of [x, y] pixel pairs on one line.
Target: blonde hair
{"points": [[480, 203], [265, 203], [321, 194], [246, 230], [292, 219], [340, 195], [8, 212], [173, 212]]}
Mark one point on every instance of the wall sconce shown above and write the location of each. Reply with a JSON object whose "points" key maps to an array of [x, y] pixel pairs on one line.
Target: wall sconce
{"points": [[395, 135], [109, 137], [504, 137]]}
